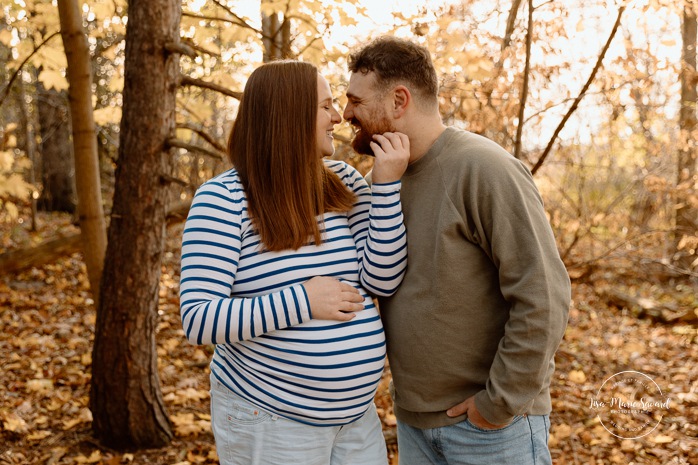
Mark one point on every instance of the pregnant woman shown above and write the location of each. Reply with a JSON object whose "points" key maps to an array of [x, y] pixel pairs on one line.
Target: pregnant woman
{"points": [[281, 256]]}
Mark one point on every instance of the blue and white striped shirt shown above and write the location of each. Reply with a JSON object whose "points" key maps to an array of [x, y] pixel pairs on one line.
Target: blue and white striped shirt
{"points": [[251, 303]]}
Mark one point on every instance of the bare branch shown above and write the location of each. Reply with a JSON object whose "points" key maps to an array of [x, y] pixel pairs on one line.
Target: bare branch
{"points": [[190, 81], [575, 104], [619, 245], [241, 21], [201, 49], [235, 21], [167, 179], [203, 134], [524, 88], [172, 142], [513, 12], [180, 48], [7, 88]]}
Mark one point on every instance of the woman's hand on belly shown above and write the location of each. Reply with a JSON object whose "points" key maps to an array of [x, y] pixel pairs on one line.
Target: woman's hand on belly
{"points": [[331, 299]]}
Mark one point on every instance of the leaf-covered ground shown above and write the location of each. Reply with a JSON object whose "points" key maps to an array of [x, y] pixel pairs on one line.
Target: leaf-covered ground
{"points": [[47, 322]]}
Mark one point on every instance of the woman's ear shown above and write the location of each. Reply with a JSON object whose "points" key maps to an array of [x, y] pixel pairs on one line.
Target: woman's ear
{"points": [[401, 100]]}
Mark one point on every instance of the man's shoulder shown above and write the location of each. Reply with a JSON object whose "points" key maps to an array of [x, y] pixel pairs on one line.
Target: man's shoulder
{"points": [[474, 152]]}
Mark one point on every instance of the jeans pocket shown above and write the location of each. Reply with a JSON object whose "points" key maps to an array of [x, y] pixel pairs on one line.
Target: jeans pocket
{"points": [[470, 424], [244, 413]]}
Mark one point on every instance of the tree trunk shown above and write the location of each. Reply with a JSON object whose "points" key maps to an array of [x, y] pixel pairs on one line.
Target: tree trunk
{"points": [[276, 30], [126, 401], [686, 226], [57, 165], [92, 223], [28, 143]]}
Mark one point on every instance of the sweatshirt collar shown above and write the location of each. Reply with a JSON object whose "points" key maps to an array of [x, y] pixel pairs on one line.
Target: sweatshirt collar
{"points": [[432, 153]]}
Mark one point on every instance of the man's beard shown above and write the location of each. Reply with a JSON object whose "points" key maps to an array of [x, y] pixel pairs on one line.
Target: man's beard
{"points": [[364, 135]]}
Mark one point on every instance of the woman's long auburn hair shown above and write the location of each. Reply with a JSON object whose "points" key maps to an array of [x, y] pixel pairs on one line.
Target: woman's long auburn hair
{"points": [[273, 146]]}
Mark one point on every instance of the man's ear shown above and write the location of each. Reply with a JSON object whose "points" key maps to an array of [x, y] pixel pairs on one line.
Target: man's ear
{"points": [[401, 100]]}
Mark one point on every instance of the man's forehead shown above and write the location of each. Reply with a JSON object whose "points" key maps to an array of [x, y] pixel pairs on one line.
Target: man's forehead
{"points": [[361, 83]]}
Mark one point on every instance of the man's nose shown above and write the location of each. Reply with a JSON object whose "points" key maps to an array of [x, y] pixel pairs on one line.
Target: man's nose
{"points": [[348, 113]]}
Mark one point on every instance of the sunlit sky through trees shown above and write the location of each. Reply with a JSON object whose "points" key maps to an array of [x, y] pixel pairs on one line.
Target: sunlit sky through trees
{"points": [[587, 27]]}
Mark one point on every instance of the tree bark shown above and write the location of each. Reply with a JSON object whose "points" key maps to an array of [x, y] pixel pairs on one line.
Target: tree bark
{"points": [[87, 177], [686, 225], [126, 400], [57, 164], [276, 35]]}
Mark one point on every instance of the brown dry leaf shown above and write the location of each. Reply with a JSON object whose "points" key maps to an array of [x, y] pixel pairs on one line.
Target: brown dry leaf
{"points": [[95, 456], [186, 396], [39, 435], [563, 431], [85, 416], [14, 423], [662, 439], [196, 458], [43, 386], [577, 376], [628, 445]]}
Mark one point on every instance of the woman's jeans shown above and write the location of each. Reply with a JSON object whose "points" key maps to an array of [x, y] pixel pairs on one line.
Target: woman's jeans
{"points": [[247, 435]]}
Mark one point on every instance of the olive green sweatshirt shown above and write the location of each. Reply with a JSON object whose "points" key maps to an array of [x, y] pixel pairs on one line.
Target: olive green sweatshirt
{"points": [[484, 304]]}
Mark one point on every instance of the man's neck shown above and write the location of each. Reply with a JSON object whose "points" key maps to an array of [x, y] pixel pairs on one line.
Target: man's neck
{"points": [[423, 137]]}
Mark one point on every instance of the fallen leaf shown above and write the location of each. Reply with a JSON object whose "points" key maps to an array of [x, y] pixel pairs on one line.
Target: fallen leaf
{"points": [[15, 424], [662, 439], [577, 376], [39, 435], [40, 385]]}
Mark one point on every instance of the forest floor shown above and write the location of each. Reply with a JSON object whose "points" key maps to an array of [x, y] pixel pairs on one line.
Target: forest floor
{"points": [[47, 321]]}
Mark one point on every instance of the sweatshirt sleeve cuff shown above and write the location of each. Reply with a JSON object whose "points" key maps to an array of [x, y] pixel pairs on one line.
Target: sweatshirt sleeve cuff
{"points": [[491, 412]]}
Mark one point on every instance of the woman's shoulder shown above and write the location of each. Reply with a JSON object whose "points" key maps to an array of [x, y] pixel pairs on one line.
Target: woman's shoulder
{"points": [[227, 182]]}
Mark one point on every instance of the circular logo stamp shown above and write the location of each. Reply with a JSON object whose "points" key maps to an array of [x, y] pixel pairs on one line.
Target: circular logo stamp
{"points": [[630, 404]]}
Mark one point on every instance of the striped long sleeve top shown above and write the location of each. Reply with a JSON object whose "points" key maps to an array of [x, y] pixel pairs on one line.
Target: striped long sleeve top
{"points": [[251, 304]]}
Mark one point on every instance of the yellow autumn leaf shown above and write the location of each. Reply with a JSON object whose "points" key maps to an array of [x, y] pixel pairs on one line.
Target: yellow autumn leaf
{"points": [[46, 16], [11, 141], [102, 9], [15, 186], [5, 37], [107, 115], [53, 79], [6, 161], [346, 20], [116, 84]]}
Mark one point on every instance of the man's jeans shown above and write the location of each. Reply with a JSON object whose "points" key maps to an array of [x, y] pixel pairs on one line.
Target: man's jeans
{"points": [[523, 442]]}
